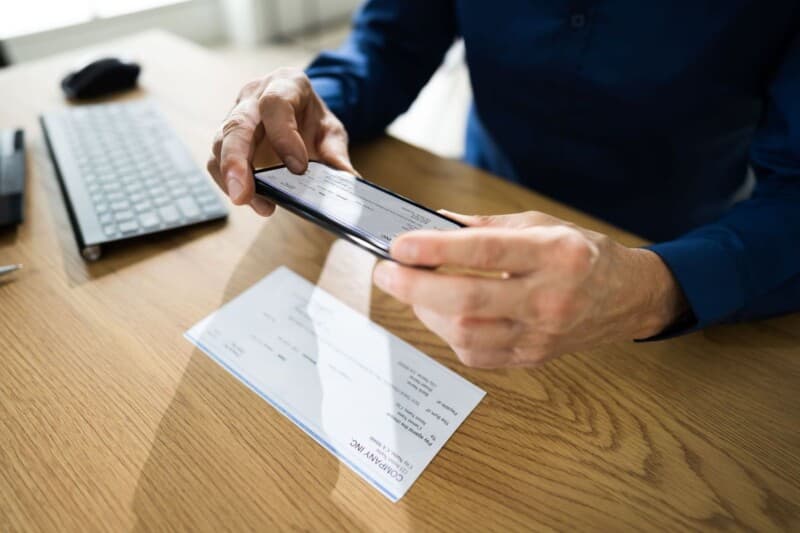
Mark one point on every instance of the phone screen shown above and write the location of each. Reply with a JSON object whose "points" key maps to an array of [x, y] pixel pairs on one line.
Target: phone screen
{"points": [[354, 204]]}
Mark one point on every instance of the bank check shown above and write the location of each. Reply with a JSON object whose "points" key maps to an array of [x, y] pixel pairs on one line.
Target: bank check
{"points": [[381, 406]]}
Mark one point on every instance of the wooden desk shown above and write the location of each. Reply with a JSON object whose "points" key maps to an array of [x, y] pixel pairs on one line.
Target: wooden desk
{"points": [[110, 420]]}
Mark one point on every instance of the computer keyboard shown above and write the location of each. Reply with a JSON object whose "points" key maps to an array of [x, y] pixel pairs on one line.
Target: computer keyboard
{"points": [[125, 173]]}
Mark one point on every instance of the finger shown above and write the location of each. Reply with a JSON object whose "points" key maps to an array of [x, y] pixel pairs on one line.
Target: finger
{"points": [[333, 149], [212, 165], [278, 107], [511, 220], [470, 333], [450, 294], [498, 249], [238, 135], [262, 206]]}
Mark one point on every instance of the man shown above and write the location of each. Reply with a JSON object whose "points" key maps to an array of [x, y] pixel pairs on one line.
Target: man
{"points": [[646, 115]]}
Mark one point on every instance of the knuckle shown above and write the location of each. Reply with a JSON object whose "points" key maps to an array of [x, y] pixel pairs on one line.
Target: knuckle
{"points": [[235, 122], [295, 75], [575, 253], [490, 252], [332, 126], [471, 300], [228, 162], [277, 96], [250, 87], [212, 166], [562, 308], [537, 218], [484, 220], [272, 96], [462, 335], [558, 313], [216, 146]]}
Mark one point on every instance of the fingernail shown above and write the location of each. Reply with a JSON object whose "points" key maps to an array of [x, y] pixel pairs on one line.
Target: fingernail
{"points": [[382, 275], [294, 164], [234, 188], [261, 206]]}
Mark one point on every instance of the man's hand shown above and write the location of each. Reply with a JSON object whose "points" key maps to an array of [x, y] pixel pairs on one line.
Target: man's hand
{"points": [[560, 288], [283, 108]]}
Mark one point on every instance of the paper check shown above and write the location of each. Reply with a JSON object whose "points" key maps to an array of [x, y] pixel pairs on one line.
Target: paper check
{"points": [[376, 402]]}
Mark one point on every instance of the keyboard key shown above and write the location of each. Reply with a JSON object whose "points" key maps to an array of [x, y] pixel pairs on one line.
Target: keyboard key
{"points": [[188, 207], [100, 208], [115, 197], [149, 220], [120, 206], [169, 214], [128, 227], [143, 206], [133, 187], [212, 209], [123, 215], [106, 218], [206, 198], [179, 191], [110, 230]]}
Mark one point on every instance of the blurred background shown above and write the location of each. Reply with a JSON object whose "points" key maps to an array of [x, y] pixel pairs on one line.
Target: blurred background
{"points": [[272, 32]]}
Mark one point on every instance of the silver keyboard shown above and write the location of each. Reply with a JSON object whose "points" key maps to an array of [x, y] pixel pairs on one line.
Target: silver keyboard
{"points": [[125, 173]]}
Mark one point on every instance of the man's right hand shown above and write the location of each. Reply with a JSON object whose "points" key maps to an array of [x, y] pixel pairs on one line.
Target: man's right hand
{"points": [[283, 108]]}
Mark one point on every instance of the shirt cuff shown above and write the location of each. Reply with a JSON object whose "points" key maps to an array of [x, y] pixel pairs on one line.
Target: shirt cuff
{"points": [[708, 275]]}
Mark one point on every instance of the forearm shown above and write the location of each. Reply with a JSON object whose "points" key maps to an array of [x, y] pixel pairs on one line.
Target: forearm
{"points": [[745, 265], [393, 50]]}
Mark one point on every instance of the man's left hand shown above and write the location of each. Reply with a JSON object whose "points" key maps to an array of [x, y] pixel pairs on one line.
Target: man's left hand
{"points": [[556, 288]]}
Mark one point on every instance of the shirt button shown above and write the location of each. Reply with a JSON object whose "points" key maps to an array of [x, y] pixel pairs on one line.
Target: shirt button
{"points": [[577, 20]]}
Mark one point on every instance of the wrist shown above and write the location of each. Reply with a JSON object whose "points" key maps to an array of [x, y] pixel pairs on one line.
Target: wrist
{"points": [[662, 302]]}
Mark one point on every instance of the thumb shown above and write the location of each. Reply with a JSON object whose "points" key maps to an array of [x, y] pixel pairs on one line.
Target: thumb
{"points": [[511, 220], [475, 220]]}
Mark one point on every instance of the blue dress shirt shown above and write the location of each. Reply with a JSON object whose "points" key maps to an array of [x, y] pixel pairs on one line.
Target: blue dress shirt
{"points": [[645, 114]]}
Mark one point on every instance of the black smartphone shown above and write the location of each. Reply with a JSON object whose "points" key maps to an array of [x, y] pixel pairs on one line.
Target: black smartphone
{"points": [[347, 205]]}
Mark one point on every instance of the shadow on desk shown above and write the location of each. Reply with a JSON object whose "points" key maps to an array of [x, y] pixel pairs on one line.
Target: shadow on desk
{"points": [[255, 469], [595, 437]]}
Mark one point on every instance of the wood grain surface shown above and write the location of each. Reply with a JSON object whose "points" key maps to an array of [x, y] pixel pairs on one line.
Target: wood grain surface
{"points": [[110, 420]]}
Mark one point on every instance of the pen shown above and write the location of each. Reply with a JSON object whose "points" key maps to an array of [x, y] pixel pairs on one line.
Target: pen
{"points": [[9, 269]]}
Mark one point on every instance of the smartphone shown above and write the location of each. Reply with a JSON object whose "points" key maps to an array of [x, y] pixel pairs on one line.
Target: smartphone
{"points": [[348, 206]]}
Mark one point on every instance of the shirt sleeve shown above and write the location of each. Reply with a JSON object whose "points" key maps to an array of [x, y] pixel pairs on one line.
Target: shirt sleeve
{"points": [[747, 264], [394, 48]]}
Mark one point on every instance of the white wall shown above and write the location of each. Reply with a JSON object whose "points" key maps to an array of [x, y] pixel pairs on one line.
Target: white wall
{"points": [[244, 22], [252, 22]]}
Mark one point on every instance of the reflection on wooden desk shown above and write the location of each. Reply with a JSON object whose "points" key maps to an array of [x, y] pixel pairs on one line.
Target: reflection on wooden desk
{"points": [[110, 420]]}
